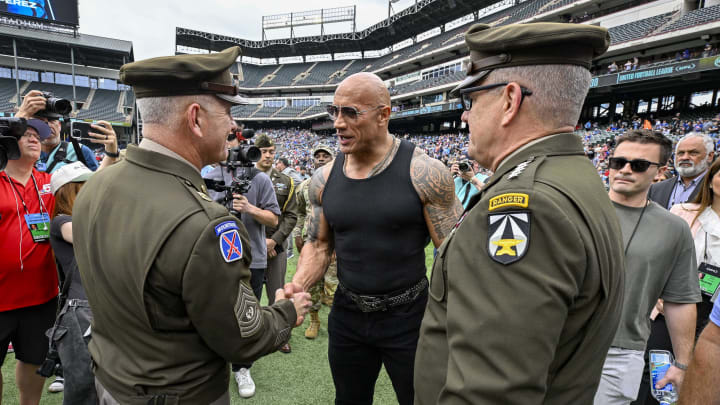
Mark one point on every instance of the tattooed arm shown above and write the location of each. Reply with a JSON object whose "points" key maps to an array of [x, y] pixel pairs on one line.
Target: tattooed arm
{"points": [[434, 184], [317, 251]]}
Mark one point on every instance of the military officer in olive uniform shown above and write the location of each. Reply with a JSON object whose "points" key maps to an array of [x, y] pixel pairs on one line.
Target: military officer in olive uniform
{"points": [[526, 291], [165, 268]]}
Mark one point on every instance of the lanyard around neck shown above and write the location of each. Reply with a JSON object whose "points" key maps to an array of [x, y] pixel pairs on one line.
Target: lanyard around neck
{"points": [[637, 224], [22, 199]]}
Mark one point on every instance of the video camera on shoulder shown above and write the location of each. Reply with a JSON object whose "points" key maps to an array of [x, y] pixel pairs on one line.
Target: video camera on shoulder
{"points": [[11, 130], [240, 163]]}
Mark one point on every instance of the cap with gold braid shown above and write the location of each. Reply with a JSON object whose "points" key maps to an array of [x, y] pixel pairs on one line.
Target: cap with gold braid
{"points": [[530, 44], [184, 75]]}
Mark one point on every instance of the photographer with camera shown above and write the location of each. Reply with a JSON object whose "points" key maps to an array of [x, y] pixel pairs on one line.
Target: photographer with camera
{"points": [[467, 181], [28, 276], [56, 152], [257, 208]]}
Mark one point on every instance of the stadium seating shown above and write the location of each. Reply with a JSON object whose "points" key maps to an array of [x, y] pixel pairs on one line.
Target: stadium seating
{"points": [[7, 92], [637, 29], [103, 107], [695, 17], [60, 90], [428, 83], [253, 74]]}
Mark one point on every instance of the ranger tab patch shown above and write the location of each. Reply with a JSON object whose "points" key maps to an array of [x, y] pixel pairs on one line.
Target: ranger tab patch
{"points": [[509, 200], [230, 244], [508, 236]]}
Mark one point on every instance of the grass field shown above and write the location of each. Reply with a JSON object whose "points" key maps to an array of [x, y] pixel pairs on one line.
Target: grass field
{"points": [[299, 378]]}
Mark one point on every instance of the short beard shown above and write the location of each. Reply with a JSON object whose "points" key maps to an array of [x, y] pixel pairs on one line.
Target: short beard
{"points": [[692, 171]]}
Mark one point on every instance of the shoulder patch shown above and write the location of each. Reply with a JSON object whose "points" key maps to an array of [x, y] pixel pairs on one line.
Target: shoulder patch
{"points": [[508, 236], [509, 200], [230, 244]]}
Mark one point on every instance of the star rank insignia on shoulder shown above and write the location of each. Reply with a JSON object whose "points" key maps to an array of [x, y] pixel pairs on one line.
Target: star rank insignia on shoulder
{"points": [[520, 168], [508, 236]]}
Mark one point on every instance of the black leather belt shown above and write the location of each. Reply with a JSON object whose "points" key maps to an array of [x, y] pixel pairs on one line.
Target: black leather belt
{"points": [[374, 303]]}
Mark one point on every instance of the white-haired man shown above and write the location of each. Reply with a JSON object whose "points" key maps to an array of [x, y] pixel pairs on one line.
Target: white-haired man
{"points": [[693, 155]]}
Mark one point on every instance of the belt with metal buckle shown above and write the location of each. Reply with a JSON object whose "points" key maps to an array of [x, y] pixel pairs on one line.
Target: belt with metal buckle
{"points": [[374, 303], [78, 303]]}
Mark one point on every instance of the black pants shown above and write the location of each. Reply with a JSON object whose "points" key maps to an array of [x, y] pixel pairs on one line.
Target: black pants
{"points": [[361, 342], [257, 279], [75, 357]]}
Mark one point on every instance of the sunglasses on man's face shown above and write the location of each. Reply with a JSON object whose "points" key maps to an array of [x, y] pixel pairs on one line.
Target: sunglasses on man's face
{"points": [[350, 113], [637, 165]]}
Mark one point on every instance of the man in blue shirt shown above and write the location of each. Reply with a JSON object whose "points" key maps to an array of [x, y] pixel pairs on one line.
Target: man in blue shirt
{"points": [[34, 104], [467, 182]]}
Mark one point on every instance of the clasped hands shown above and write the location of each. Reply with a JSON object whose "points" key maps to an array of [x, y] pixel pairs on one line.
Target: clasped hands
{"points": [[295, 293]]}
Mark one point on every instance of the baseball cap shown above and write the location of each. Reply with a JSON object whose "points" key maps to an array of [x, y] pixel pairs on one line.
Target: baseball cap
{"points": [[75, 172], [42, 128], [325, 148]]}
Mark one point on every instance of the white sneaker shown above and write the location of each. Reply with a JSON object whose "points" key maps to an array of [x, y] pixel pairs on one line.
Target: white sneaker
{"points": [[246, 385], [58, 385]]}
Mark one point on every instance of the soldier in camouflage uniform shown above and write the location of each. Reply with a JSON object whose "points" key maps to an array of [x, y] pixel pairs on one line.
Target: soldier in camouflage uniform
{"points": [[323, 291]]}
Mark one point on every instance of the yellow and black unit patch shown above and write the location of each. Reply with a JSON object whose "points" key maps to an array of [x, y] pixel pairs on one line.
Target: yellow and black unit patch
{"points": [[508, 236], [509, 200]]}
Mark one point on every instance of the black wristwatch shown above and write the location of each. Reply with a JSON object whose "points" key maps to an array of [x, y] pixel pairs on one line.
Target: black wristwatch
{"points": [[681, 366], [113, 155]]}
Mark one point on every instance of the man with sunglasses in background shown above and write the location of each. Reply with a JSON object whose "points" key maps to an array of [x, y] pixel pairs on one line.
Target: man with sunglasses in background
{"points": [[377, 207], [659, 263], [526, 290]]}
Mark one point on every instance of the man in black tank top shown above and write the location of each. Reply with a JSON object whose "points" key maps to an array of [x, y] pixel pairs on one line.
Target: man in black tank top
{"points": [[377, 206]]}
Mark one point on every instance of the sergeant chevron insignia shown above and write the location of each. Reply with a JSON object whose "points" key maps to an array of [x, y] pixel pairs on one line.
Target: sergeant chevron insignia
{"points": [[508, 236]]}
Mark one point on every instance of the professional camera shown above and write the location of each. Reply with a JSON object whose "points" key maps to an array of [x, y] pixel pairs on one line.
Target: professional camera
{"points": [[240, 164], [55, 106], [464, 166], [11, 129]]}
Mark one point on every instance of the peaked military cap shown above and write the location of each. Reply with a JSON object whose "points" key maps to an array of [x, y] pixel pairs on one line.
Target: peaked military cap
{"points": [[530, 44], [263, 141], [184, 75]]}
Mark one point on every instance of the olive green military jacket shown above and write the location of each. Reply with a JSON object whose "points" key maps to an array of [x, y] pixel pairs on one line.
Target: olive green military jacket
{"points": [[303, 207], [166, 274], [526, 292], [285, 194]]}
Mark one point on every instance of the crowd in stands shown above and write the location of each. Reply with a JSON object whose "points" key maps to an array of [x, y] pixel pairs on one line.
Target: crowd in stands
{"points": [[599, 140], [634, 63], [297, 144]]}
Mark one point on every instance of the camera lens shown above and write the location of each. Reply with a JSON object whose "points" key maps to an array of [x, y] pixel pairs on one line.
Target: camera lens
{"points": [[59, 106]]}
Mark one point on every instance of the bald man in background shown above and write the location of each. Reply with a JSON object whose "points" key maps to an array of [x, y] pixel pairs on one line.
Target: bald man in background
{"points": [[377, 206]]}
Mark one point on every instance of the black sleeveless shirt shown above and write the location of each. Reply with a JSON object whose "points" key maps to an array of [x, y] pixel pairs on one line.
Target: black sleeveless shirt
{"points": [[378, 226]]}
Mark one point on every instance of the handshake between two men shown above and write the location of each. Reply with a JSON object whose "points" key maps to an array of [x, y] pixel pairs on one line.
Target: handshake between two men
{"points": [[300, 299]]}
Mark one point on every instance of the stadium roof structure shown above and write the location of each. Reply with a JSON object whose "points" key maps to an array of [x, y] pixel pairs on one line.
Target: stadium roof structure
{"points": [[409, 22], [89, 50]]}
